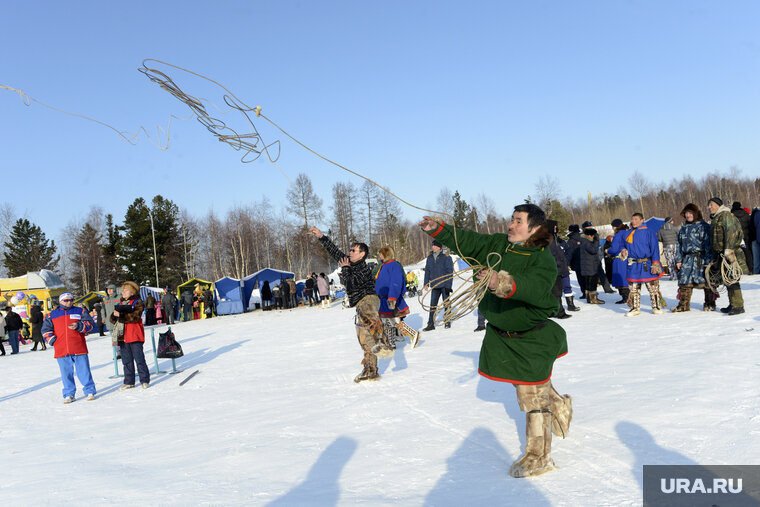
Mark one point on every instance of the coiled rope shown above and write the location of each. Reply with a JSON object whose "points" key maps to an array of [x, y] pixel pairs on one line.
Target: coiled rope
{"points": [[727, 274], [460, 303]]}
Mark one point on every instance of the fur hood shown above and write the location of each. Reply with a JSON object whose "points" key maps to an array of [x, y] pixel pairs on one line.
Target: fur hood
{"points": [[542, 237], [694, 209]]}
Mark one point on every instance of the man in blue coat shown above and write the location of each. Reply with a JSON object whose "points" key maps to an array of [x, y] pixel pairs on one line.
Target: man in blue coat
{"points": [[641, 251], [438, 277]]}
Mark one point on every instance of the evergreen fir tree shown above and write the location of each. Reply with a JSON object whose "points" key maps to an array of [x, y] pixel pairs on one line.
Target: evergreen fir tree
{"points": [[462, 212], [111, 251], [28, 250], [136, 246]]}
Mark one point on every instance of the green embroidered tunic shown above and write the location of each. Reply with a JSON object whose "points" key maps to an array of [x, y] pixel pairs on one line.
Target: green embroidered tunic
{"points": [[528, 359]]}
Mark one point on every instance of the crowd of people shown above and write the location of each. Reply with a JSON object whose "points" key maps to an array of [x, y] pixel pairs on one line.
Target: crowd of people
{"points": [[525, 292], [692, 252]]}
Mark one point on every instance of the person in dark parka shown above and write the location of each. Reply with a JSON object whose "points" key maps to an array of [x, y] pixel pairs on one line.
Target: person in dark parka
{"points": [[589, 256], [573, 256], [745, 220], [438, 270], [266, 296], [619, 266], [562, 269], [35, 319]]}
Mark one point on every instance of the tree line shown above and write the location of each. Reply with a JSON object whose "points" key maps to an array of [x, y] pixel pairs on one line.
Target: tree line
{"points": [[104, 250]]}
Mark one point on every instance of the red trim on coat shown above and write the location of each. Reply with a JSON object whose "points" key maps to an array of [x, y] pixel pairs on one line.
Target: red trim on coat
{"points": [[401, 313], [437, 231], [514, 288], [521, 382], [644, 280]]}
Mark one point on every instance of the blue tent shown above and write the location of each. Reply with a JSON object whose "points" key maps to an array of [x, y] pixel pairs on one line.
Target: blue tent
{"points": [[155, 291], [257, 279], [228, 295]]}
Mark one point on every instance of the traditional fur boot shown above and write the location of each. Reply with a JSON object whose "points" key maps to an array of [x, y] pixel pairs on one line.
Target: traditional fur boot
{"points": [[593, 298], [537, 458], [370, 368], [562, 413], [709, 305], [683, 303], [655, 298], [570, 304], [635, 300]]}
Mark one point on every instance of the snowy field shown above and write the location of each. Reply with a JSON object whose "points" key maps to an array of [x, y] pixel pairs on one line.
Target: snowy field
{"points": [[274, 418]]}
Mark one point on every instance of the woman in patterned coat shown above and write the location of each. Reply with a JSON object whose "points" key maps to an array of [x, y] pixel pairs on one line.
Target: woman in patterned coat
{"points": [[692, 255]]}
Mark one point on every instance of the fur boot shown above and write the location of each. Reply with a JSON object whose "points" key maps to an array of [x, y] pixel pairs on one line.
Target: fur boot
{"points": [[683, 303], [537, 458], [634, 299], [570, 304], [535, 400], [655, 297], [709, 301], [369, 372], [593, 298], [562, 413]]}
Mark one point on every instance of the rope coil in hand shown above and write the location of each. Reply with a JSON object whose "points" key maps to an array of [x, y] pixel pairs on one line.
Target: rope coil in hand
{"points": [[727, 274]]}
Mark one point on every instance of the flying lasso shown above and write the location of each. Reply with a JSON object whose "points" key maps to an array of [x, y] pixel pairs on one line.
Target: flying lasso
{"points": [[131, 138], [460, 303]]}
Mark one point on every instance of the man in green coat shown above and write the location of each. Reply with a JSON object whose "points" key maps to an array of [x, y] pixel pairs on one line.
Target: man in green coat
{"points": [[725, 240], [521, 343]]}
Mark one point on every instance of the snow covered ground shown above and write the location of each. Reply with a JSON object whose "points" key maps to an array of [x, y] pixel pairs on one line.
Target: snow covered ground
{"points": [[274, 418]]}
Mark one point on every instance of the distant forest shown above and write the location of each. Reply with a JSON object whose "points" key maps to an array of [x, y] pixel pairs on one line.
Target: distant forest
{"points": [[104, 249]]}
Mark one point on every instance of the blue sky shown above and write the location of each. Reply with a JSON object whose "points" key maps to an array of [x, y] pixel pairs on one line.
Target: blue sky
{"points": [[478, 97]]}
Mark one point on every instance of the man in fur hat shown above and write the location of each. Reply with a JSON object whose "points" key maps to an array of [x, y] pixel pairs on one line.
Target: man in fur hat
{"points": [[725, 241], [693, 254], [521, 341], [641, 250]]}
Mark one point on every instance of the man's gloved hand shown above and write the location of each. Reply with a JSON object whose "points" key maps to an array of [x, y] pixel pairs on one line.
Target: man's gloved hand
{"points": [[656, 268], [391, 304], [730, 255]]}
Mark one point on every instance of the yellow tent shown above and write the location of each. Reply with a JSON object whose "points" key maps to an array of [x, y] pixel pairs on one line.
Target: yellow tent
{"points": [[190, 285], [43, 285], [89, 299]]}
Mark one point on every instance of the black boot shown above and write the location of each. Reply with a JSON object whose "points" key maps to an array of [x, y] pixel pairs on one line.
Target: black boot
{"points": [[623, 295], [430, 327], [570, 305], [562, 314]]}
